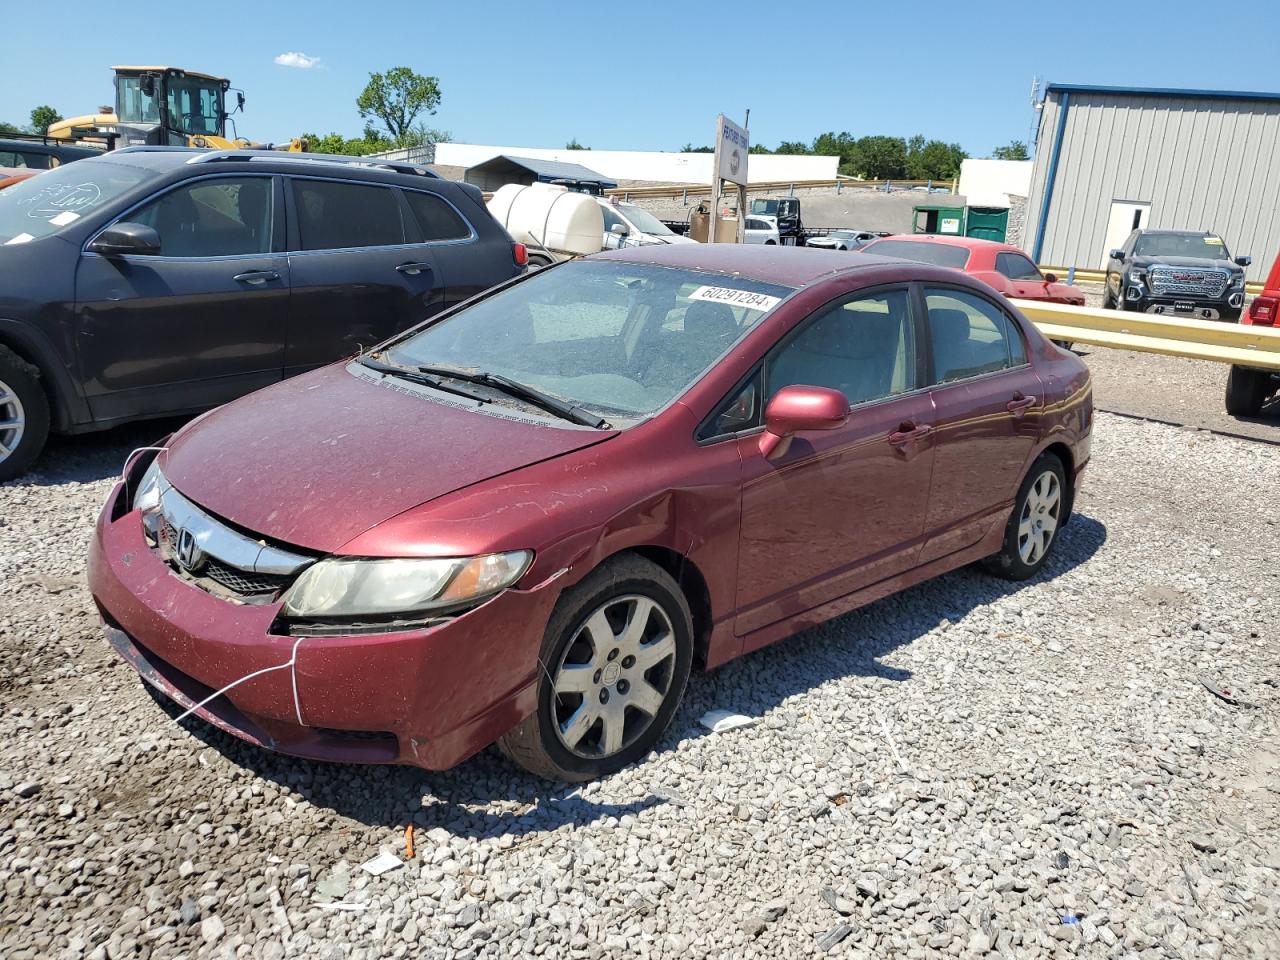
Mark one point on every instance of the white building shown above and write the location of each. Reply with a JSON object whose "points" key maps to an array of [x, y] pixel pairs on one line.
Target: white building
{"points": [[990, 183]]}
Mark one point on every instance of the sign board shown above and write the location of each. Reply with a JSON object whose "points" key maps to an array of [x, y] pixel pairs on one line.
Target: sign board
{"points": [[732, 149]]}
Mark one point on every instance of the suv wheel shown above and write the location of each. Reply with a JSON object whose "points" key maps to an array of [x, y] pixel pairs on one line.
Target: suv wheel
{"points": [[1247, 391], [1038, 512], [24, 415], [1108, 301], [614, 663]]}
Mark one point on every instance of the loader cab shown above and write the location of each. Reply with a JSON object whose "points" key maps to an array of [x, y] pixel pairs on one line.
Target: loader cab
{"points": [[166, 106]]}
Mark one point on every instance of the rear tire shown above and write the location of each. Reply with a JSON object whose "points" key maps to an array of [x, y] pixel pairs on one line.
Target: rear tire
{"points": [[1039, 511], [1247, 391], [614, 663], [24, 415]]}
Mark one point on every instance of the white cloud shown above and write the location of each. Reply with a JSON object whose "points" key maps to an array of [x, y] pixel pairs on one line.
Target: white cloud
{"points": [[296, 59]]}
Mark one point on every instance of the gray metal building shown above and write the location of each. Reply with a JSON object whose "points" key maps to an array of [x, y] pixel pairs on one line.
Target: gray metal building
{"points": [[1111, 158]]}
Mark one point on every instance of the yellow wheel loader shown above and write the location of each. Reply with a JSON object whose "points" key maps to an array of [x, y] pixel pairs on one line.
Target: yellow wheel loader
{"points": [[166, 106]]}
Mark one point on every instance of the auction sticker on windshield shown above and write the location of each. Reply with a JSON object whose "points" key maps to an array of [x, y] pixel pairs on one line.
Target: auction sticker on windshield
{"points": [[736, 298]]}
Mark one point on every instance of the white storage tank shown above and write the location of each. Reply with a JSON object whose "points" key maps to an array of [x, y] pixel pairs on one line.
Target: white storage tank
{"points": [[542, 214]]}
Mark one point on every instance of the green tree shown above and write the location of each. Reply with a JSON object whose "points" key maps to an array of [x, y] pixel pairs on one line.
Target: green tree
{"points": [[42, 117], [879, 158], [396, 98], [840, 145], [933, 159], [573, 144], [690, 148], [8, 128], [1013, 150], [793, 148], [758, 148]]}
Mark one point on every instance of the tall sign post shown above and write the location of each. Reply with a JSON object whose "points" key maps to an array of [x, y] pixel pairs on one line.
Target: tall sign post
{"points": [[733, 147]]}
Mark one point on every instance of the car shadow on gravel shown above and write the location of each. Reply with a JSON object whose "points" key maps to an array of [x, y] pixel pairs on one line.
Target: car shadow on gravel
{"points": [[488, 796]]}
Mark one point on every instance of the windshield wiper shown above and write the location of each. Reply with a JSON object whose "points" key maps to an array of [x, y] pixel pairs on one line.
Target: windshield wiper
{"points": [[419, 376], [561, 408]]}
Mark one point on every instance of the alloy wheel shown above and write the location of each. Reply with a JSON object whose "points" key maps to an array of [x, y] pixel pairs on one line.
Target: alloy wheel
{"points": [[614, 676], [1038, 521], [13, 421]]}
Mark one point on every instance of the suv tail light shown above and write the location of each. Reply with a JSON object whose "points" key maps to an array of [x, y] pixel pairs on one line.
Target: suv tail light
{"points": [[1263, 311], [520, 254]]}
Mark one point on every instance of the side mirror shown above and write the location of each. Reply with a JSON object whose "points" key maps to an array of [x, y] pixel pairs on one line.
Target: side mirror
{"points": [[1050, 278], [798, 408], [240, 100], [619, 229], [126, 237], [1117, 254], [1244, 261]]}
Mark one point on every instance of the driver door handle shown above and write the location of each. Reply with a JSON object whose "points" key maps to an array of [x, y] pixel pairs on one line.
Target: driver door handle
{"points": [[413, 269], [908, 431], [256, 277]]}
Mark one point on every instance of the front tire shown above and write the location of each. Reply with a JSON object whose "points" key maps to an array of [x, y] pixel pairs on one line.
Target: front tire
{"points": [[1038, 513], [614, 663], [1247, 391], [24, 415]]}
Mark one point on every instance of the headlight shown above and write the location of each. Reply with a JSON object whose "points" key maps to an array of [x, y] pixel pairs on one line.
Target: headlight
{"points": [[347, 588], [1137, 275], [147, 496]]}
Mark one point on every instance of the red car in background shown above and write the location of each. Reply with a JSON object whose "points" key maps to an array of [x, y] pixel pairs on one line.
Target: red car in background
{"points": [[11, 175], [998, 265], [1248, 388]]}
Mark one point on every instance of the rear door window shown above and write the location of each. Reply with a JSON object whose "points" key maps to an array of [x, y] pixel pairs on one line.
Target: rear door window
{"points": [[970, 336], [333, 215], [436, 218]]}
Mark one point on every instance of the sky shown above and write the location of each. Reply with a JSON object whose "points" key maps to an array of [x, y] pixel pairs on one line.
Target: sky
{"points": [[646, 76]]}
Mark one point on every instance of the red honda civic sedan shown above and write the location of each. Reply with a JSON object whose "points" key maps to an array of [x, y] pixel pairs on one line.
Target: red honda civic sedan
{"points": [[529, 519]]}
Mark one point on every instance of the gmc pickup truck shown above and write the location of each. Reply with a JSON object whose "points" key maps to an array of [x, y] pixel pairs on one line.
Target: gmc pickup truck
{"points": [[1180, 272]]}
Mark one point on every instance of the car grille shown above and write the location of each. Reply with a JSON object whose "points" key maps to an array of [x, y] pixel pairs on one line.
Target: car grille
{"points": [[242, 581], [1184, 282]]}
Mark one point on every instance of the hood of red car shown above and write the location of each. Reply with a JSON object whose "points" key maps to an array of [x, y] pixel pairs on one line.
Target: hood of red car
{"points": [[321, 458]]}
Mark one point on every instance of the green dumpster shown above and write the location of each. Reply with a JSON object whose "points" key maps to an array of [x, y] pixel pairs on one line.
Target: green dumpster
{"points": [[987, 223], [930, 219]]}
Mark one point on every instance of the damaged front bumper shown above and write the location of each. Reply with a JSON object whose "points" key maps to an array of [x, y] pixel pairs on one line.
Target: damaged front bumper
{"points": [[430, 696]]}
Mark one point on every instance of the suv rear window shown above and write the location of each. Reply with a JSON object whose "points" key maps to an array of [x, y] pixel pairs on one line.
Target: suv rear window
{"points": [[333, 215], [54, 200], [922, 251]]}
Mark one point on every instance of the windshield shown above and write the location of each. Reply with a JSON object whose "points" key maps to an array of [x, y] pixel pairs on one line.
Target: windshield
{"points": [[1205, 247], [766, 207], [642, 219], [619, 339], [922, 251], [195, 106], [54, 200]]}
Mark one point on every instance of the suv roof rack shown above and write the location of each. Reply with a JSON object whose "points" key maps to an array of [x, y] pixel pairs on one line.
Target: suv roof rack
{"points": [[226, 156]]}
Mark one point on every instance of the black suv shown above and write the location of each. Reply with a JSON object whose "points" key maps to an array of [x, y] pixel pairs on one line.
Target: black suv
{"points": [[40, 153], [1179, 272], [156, 280]]}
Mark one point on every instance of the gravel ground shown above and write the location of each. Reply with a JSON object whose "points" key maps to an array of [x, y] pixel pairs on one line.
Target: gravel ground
{"points": [[969, 769]]}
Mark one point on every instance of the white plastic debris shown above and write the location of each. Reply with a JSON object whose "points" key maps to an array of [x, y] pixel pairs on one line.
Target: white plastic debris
{"points": [[384, 862], [722, 721]]}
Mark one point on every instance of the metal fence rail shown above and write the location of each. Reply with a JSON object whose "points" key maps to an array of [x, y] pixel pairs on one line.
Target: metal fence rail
{"points": [[1250, 346]]}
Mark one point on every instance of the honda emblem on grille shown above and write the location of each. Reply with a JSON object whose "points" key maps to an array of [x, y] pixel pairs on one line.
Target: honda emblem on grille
{"points": [[187, 552]]}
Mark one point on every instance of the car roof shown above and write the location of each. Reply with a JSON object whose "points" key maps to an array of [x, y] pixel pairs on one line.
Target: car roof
{"points": [[786, 266], [970, 243], [40, 146], [1177, 233], [214, 161]]}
